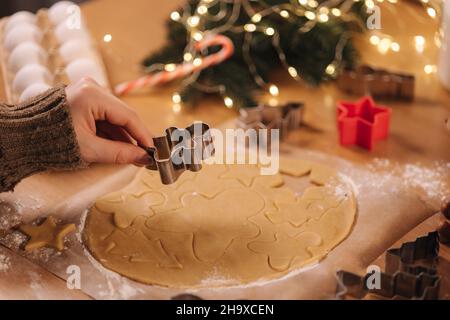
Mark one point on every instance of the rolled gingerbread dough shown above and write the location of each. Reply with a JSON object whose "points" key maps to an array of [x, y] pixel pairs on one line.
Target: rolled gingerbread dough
{"points": [[224, 225]]}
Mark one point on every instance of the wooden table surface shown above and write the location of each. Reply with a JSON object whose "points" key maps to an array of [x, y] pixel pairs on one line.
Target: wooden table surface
{"points": [[137, 28]]}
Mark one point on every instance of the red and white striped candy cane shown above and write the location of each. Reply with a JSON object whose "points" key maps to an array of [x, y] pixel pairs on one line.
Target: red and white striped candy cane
{"points": [[184, 69]]}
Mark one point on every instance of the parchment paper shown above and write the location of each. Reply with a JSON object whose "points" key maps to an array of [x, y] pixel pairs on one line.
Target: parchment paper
{"points": [[387, 209]]}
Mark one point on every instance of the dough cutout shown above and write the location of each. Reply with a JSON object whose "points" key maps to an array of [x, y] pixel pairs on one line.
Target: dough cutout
{"points": [[47, 234]]}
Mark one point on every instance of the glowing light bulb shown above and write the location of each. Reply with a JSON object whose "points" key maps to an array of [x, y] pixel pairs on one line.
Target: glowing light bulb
{"points": [[228, 102], [419, 43], [336, 12], [284, 14], [176, 98], [256, 18], [330, 69], [249, 27], [175, 16], [429, 68], [197, 62], [395, 47], [370, 4], [313, 3], [269, 31], [374, 39], [197, 36], [107, 38], [324, 10], [176, 107], [187, 56], [323, 17], [170, 67], [303, 2], [431, 12], [193, 21], [202, 9], [273, 90], [384, 45], [310, 15], [293, 72]]}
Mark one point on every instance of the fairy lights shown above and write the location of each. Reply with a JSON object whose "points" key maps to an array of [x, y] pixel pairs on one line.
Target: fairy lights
{"points": [[176, 98], [314, 11], [273, 90], [293, 72], [269, 31], [175, 16], [228, 102], [170, 67]]}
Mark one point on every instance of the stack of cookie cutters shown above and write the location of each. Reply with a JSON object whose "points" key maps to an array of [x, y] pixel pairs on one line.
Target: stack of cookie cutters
{"points": [[410, 273], [285, 118], [180, 150], [379, 83]]}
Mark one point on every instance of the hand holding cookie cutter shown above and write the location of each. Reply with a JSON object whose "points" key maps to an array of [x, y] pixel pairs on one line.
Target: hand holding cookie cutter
{"points": [[180, 150], [379, 83]]}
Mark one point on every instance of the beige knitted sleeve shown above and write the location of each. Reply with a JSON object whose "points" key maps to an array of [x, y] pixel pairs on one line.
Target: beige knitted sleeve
{"points": [[36, 135]]}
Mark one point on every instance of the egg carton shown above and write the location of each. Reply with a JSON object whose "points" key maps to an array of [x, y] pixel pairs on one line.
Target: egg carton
{"points": [[46, 49]]}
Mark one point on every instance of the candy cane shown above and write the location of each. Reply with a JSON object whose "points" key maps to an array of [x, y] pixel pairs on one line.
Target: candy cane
{"points": [[184, 69]]}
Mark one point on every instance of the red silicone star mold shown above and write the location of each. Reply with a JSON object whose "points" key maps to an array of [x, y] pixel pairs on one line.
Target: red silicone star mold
{"points": [[362, 122]]}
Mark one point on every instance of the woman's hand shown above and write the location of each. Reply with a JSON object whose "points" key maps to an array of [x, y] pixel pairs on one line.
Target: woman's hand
{"points": [[106, 128]]}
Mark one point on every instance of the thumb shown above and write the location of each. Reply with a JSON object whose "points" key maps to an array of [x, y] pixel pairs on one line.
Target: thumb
{"points": [[118, 152]]}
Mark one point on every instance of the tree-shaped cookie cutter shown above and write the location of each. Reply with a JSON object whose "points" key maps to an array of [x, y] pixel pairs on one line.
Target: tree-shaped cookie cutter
{"points": [[410, 273], [286, 118], [180, 150], [379, 83]]}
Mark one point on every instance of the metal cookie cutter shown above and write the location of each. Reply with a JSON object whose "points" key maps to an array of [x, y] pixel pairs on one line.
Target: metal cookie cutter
{"points": [[410, 273], [180, 150], [379, 83], [286, 118]]}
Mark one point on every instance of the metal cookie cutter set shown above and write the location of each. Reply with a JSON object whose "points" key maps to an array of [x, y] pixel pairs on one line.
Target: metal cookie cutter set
{"points": [[180, 150], [379, 83], [286, 118], [410, 273]]}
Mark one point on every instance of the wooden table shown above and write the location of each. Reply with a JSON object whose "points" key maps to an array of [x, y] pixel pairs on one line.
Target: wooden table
{"points": [[137, 28]]}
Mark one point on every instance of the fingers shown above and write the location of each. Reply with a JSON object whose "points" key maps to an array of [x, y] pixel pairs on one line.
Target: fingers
{"points": [[118, 113], [110, 131], [118, 152]]}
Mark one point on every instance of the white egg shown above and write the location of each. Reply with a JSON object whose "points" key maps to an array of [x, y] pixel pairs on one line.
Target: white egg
{"points": [[75, 49], [65, 32], [33, 90], [61, 10], [19, 18], [30, 74], [26, 53], [80, 68], [22, 33]]}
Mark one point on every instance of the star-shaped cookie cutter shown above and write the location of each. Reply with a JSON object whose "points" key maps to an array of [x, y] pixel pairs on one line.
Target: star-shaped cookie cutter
{"points": [[379, 83], [410, 273], [180, 150], [362, 122], [286, 118]]}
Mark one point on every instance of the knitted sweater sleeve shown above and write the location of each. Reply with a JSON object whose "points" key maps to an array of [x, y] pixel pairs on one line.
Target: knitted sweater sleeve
{"points": [[36, 135]]}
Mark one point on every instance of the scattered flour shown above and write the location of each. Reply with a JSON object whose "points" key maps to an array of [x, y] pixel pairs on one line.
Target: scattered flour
{"points": [[5, 263]]}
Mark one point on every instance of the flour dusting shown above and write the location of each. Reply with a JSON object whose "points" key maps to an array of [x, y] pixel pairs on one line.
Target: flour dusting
{"points": [[5, 263]]}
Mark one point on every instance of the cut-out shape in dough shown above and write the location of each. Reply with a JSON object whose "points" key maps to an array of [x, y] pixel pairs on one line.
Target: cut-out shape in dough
{"points": [[126, 207], [223, 225], [47, 234], [284, 248], [201, 215]]}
